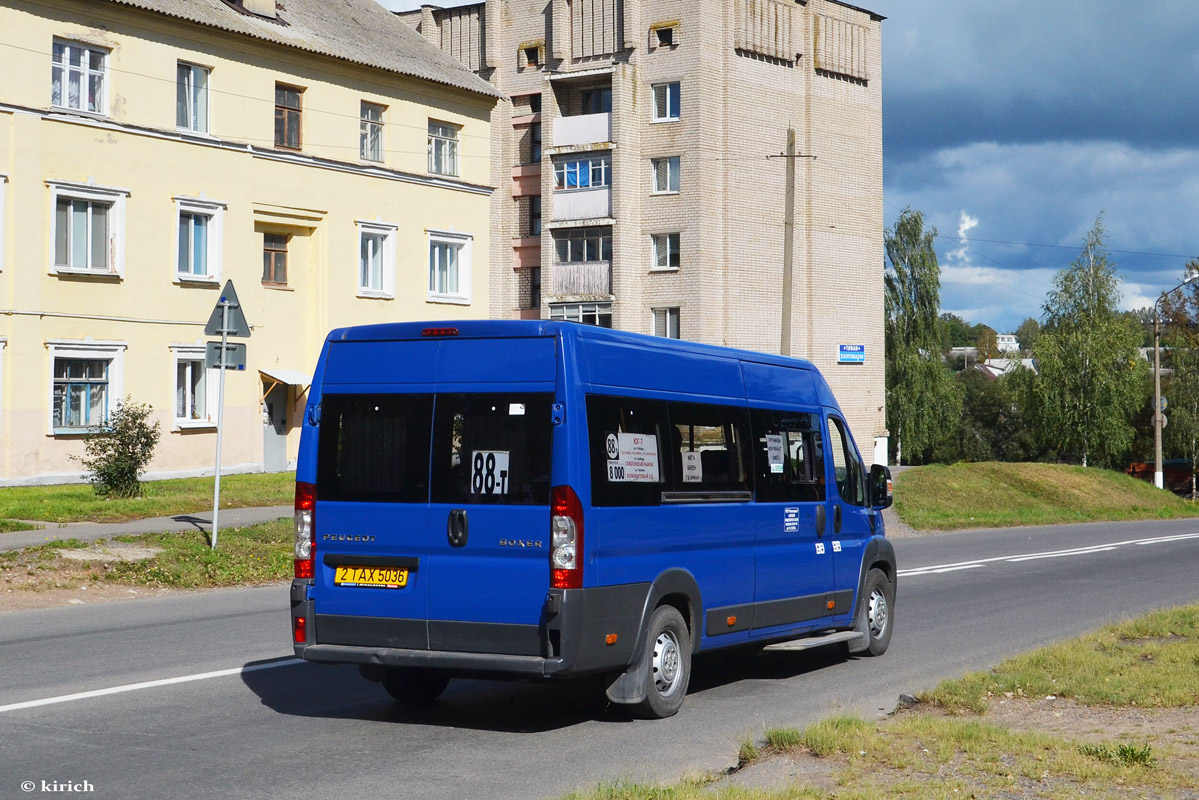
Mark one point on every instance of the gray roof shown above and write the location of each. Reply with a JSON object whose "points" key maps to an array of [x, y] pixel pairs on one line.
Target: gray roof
{"points": [[361, 31]]}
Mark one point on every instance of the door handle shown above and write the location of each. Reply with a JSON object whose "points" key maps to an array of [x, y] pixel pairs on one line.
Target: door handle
{"points": [[821, 518], [457, 528], [836, 519]]}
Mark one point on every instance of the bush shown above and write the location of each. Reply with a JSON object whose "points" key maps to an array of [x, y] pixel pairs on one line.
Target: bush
{"points": [[116, 454]]}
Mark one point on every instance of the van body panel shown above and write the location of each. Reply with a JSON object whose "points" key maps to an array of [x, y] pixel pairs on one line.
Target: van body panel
{"points": [[377, 364], [620, 365]]}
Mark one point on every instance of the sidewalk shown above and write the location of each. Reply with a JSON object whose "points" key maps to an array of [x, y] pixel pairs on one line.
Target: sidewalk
{"points": [[92, 531]]}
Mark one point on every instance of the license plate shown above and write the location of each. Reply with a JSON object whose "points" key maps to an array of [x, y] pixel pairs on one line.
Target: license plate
{"points": [[376, 577]]}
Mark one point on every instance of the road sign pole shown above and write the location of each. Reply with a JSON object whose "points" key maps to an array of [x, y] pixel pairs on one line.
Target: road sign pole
{"points": [[220, 421]]}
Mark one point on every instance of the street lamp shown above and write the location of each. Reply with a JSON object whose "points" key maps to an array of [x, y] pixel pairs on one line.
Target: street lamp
{"points": [[1158, 479]]}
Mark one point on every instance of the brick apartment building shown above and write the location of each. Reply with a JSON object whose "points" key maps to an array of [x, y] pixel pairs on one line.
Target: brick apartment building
{"points": [[641, 178]]}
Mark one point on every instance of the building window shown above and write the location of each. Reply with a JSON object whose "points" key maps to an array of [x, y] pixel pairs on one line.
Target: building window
{"points": [[198, 247], [78, 77], [287, 116], [666, 102], [535, 215], [191, 98], [376, 260], [589, 172], [449, 267], [443, 148], [666, 175], [370, 137], [535, 143], [587, 313], [597, 101], [534, 55], [583, 244], [85, 383], [664, 36], [195, 388], [666, 322], [274, 258], [88, 226], [666, 251]]}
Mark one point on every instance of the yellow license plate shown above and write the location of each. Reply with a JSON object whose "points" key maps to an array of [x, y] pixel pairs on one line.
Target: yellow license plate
{"points": [[377, 577]]}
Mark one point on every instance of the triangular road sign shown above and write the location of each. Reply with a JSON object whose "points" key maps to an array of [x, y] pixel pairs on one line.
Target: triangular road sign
{"points": [[235, 323]]}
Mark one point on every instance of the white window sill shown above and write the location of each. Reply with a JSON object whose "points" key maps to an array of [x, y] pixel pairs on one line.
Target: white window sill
{"points": [[372, 294], [663, 269], [72, 431], [457, 300], [183, 278], [196, 134], [194, 425], [664, 119], [81, 112], [90, 273], [665, 194]]}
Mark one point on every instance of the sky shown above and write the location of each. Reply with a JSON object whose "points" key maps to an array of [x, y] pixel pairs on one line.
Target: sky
{"points": [[1013, 126]]}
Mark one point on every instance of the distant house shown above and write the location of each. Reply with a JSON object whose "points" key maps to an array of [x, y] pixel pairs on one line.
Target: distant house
{"points": [[994, 367], [1008, 343]]}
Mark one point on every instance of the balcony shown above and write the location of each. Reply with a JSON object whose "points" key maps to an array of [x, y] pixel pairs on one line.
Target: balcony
{"points": [[582, 130], [582, 278], [582, 204]]}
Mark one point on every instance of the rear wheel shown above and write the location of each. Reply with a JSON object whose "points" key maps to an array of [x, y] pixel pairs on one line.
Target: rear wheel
{"points": [[414, 686], [668, 653], [876, 614]]}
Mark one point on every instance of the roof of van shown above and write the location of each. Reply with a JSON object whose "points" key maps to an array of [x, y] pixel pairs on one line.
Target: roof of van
{"points": [[493, 328]]}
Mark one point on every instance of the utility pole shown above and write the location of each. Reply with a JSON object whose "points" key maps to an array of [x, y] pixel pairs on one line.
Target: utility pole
{"points": [[788, 239]]}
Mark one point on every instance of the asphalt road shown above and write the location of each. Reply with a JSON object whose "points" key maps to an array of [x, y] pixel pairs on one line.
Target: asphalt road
{"points": [[195, 696]]}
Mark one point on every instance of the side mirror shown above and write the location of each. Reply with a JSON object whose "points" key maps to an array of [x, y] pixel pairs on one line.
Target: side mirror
{"points": [[881, 488]]}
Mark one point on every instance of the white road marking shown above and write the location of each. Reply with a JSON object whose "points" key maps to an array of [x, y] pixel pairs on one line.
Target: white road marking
{"points": [[133, 687], [1079, 551]]}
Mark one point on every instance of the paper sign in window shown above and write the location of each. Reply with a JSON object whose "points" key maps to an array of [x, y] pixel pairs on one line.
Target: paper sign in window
{"points": [[774, 452], [489, 472], [632, 457], [693, 467]]}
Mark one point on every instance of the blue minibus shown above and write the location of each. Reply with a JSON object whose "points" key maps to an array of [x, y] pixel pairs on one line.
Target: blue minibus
{"points": [[538, 499]]}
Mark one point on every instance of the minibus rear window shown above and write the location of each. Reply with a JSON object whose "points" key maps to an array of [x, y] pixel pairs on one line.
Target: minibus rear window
{"points": [[374, 448], [492, 449]]}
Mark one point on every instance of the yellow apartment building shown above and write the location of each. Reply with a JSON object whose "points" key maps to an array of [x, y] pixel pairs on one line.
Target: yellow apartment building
{"points": [[320, 155]]}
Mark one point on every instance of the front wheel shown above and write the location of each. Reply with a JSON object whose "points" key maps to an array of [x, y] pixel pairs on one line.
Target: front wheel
{"points": [[668, 653], [876, 614], [414, 686]]}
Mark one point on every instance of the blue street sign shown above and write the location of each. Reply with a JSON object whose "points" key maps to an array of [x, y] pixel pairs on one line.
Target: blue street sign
{"points": [[851, 354]]}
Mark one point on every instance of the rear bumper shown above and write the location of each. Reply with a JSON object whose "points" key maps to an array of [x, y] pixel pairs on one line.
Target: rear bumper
{"points": [[580, 631]]}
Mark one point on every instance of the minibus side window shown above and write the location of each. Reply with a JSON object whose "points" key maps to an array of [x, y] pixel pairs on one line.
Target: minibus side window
{"points": [[710, 446], [374, 448], [627, 438], [847, 467], [492, 449], [788, 456]]}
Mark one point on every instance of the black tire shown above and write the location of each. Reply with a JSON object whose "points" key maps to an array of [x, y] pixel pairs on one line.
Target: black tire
{"points": [[414, 686], [667, 653], [876, 614]]}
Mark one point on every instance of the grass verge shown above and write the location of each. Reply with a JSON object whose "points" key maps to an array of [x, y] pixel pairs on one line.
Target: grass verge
{"points": [[1109, 715], [251, 555], [78, 502], [996, 495]]}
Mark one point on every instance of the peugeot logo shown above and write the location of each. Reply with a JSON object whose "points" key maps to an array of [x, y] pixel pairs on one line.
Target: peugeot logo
{"points": [[341, 537]]}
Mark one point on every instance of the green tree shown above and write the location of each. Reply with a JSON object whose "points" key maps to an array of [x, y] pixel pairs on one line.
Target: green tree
{"points": [[955, 332], [923, 404], [116, 453], [1180, 384], [1027, 334], [1087, 360], [987, 343]]}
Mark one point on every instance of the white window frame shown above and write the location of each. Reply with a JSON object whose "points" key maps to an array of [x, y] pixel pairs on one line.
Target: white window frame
{"points": [[598, 172], [440, 139], [193, 353], [665, 89], [86, 74], [104, 350], [194, 123], [575, 312], [115, 198], [665, 316], [387, 259], [661, 260], [365, 127], [673, 169], [215, 231], [464, 242]]}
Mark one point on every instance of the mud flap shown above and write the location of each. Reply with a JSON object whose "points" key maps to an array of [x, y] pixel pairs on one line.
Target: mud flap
{"points": [[632, 685]]}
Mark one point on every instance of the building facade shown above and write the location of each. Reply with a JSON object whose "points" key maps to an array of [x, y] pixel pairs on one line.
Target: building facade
{"points": [[334, 166], [641, 164]]}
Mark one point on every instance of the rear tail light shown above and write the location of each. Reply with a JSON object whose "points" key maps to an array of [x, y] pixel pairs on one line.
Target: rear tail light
{"points": [[305, 530], [300, 630], [566, 539]]}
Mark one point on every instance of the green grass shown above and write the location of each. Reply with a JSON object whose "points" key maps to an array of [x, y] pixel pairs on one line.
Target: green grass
{"points": [[251, 555], [8, 525], [80, 503], [1151, 662], [995, 495]]}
